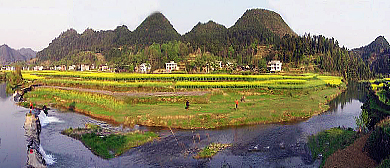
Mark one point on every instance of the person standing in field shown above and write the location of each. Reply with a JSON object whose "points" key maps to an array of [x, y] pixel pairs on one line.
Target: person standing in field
{"points": [[243, 98], [236, 103], [187, 104]]}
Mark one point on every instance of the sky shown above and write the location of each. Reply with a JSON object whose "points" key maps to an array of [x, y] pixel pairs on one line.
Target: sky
{"points": [[35, 23]]}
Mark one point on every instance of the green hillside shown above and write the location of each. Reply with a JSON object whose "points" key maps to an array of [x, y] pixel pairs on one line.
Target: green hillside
{"points": [[209, 36]]}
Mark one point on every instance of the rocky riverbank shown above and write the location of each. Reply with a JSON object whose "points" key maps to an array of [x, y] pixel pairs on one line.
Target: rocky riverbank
{"points": [[32, 126]]}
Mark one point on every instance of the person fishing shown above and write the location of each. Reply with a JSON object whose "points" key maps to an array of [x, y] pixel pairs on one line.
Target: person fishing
{"points": [[236, 103], [45, 110], [187, 105]]}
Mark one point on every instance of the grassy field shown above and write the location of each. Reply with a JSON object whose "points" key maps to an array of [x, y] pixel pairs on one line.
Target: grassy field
{"points": [[212, 110], [269, 98]]}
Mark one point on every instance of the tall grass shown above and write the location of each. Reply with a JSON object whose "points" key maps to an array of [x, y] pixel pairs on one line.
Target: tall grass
{"points": [[71, 82]]}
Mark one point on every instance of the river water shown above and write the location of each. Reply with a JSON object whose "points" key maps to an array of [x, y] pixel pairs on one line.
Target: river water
{"points": [[277, 145]]}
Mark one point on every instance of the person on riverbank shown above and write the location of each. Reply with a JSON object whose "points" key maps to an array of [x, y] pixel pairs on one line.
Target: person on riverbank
{"points": [[31, 107], [236, 103], [187, 105]]}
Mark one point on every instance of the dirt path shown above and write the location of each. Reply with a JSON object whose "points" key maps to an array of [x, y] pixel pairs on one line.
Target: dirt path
{"points": [[135, 94], [352, 156]]}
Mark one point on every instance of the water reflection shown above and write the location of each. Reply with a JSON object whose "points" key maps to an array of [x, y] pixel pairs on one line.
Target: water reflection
{"points": [[355, 91], [3, 94]]}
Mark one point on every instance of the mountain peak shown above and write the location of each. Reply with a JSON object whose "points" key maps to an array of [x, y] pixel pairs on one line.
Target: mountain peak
{"points": [[381, 42], [267, 19], [156, 28]]}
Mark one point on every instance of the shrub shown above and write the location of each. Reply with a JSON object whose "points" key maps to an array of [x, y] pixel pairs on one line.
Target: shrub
{"points": [[378, 144]]}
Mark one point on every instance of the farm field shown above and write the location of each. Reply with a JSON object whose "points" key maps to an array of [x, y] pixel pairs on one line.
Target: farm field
{"points": [[268, 98]]}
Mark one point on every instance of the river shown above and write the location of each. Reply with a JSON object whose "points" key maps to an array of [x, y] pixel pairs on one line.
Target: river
{"points": [[278, 145]]}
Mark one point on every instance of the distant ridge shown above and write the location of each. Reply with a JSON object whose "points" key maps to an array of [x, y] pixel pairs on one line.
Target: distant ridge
{"points": [[28, 53], [9, 55]]}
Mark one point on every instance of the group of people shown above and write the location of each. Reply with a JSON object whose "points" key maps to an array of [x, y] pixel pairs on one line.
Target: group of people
{"points": [[242, 100], [44, 108]]}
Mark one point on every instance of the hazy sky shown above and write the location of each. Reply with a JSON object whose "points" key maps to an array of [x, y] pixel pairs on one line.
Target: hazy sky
{"points": [[35, 23]]}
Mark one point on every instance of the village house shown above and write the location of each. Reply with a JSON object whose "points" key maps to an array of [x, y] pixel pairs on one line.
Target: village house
{"points": [[38, 68], [84, 67], [171, 66], [104, 68], [10, 68], [274, 66], [72, 68], [144, 68]]}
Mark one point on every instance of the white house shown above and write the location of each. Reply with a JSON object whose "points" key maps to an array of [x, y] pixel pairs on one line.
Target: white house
{"points": [[171, 66], [105, 68], [72, 68], [144, 68], [84, 67], [274, 66], [10, 68], [38, 68]]}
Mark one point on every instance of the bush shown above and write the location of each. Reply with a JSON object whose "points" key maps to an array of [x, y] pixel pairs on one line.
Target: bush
{"points": [[385, 164]]}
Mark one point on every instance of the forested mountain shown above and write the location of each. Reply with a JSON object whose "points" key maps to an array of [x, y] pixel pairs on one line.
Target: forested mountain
{"points": [[9, 55], [209, 36], [376, 55], [156, 28], [70, 42], [257, 37]]}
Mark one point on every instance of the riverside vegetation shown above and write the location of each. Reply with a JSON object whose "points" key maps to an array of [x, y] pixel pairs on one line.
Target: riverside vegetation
{"points": [[268, 98], [107, 144]]}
